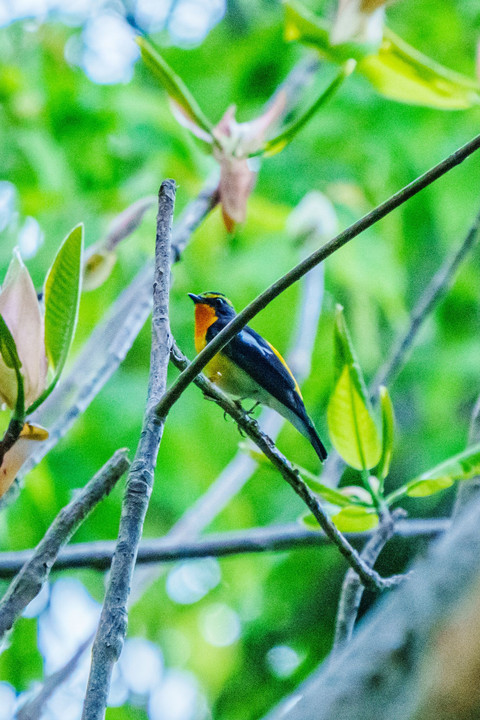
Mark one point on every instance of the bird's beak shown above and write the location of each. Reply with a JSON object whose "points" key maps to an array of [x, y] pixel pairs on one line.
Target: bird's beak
{"points": [[195, 298]]}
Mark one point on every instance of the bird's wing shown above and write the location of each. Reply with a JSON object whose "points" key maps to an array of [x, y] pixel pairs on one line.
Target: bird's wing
{"points": [[266, 366]]}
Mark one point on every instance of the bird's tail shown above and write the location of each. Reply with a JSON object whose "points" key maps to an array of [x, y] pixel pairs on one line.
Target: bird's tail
{"points": [[317, 444], [303, 423]]}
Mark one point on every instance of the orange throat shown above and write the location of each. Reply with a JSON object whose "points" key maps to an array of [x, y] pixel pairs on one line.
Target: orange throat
{"points": [[204, 317]]}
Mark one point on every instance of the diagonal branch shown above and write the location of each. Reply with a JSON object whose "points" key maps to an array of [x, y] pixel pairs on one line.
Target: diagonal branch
{"points": [[113, 620], [433, 293], [98, 554], [370, 578], [36, 570], [260, 302]]}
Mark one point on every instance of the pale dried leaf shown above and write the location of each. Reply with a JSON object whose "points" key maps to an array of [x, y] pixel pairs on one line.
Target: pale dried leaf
{"points": [[21, 311]]}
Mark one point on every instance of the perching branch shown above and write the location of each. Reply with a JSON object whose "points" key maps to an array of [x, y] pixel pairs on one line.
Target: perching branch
{"points": [[370, 578], [433, 293], [113, 620], [239, 321], [352, 588], [34, 573], [242, 466], [97, 555]]}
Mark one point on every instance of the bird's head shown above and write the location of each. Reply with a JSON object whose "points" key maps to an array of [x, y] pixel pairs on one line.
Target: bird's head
{"points": [[218, 302]]}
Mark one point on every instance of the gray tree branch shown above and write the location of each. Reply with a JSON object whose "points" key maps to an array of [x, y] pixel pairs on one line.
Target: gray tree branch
{"points": [[35, 571], [408, 652], [352, 588], [113, 620], [433, 293], [98, 554]]}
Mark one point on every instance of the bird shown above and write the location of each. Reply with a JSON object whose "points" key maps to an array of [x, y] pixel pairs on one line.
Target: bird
{"points": [[249, 367]]}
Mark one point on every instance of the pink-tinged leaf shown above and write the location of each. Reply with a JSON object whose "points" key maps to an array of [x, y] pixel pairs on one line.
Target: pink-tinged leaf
{"points": [[253, 133], [185, 120], [19, 453], [227, 125], [236, 184], [21, 311]]}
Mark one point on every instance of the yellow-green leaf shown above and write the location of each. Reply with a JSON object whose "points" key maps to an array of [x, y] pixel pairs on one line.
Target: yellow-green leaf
{"points": [[350, 418], [8, 349], [423, 488], [463, 466], [174, 85], [388, 430], [355, 519], [63, 286], [352, 429], [396, 70], [402, 73]]}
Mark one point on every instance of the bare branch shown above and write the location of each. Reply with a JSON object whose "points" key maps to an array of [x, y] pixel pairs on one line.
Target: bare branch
{"points": [[239, 321], [433, 293], [352, 588], [113, 620], [34, 573], [98, 554]]}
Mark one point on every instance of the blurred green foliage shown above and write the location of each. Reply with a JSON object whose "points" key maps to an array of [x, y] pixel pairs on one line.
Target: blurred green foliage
{"points": [[80, 152]]}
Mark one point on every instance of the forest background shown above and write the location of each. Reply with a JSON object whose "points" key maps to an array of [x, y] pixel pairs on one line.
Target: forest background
{"points": [[85, 131]]}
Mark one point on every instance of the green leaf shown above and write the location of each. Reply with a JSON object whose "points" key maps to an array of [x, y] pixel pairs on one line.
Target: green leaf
{"points": [[396, 70], [463, 466], [8, 349], [174, 85], [388, 432], [422, 488], [355, 519], [62, 297], [276, 144], [402, 73], [334, 497], [350, 420]]}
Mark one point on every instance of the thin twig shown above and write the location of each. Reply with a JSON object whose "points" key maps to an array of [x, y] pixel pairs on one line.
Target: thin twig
{"points": [[97, 555], [113, 620], [369, 577], [35, 706], [433, 293], [261, 301], [352, 588], [34, 573]]}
